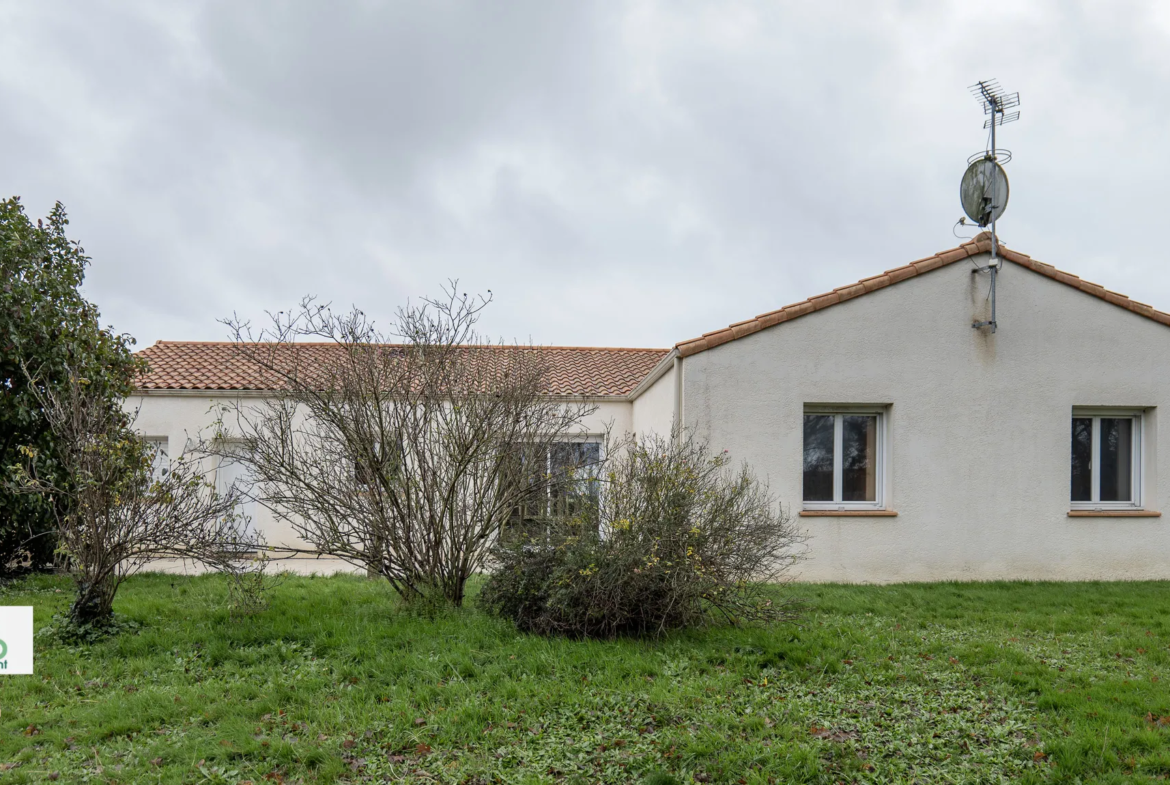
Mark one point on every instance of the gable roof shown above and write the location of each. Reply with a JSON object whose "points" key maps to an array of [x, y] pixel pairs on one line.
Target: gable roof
{"points": [[591, 372], [979, 244]]}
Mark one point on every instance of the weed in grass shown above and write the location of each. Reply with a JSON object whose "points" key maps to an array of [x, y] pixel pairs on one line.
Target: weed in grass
{"points": [[661, 778], [335, 682]]}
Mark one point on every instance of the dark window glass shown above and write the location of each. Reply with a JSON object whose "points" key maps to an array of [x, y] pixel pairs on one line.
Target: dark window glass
{"points": [[1082, 459], [818, 457], [858, 458], [572, 475], [555, 481], [1116, 459], [383, 463], [525, 468]]}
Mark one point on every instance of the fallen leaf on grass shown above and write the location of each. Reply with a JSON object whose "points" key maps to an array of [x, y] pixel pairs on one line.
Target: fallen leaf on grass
{"points": [[828, 734]]}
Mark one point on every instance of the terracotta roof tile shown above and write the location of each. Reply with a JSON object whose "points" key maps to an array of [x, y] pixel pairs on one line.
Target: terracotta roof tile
{"points": [[978, 245], [590, 371], [194, 365]]}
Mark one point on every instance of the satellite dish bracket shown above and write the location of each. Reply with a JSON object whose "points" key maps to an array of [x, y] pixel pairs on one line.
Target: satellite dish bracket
{"points": [[981, 194]]}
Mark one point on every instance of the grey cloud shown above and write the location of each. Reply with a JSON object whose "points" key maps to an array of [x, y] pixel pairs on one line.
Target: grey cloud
{"points": [[619, 174]]}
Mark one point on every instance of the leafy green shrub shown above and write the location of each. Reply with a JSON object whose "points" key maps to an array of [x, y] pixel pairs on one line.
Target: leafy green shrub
{"points": [[46, 325], [672, 538]]}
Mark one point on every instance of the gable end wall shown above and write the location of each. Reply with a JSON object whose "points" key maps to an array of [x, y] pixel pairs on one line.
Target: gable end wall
{"points": [[978, 424]]}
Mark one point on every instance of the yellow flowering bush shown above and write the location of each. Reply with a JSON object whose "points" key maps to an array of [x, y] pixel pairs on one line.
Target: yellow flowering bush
{"points": [[675, 537]]}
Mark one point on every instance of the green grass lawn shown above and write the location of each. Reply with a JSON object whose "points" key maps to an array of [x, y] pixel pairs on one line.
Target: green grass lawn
{"points": [[335, 683]]}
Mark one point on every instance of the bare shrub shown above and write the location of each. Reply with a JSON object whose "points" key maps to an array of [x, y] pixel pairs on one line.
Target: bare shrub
{"points": [[394, 456], [114, 515], [674, 538], [250, 585]]}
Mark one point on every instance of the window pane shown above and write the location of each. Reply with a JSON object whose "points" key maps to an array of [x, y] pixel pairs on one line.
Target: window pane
{"points": [[1116, 459], [573, 466], [383, 463], [818, 457], [859, 459], [1082, 452], [524, 472]]}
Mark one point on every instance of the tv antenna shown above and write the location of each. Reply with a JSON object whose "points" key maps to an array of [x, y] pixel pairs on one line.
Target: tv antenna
{"points": [[984, 189]]}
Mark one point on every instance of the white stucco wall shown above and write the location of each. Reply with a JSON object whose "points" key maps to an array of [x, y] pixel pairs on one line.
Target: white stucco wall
{"points": [[978, 425], [180, 416], [653, 410]]}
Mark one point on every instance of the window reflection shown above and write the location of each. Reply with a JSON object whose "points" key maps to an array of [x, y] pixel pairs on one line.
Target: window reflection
{"points": [[859, 458], [1082, 452], [818, 457], [1116, 459]]}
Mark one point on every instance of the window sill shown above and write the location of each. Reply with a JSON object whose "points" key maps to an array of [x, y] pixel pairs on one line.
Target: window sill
{"points": [[848, 514], [1114, 514]]}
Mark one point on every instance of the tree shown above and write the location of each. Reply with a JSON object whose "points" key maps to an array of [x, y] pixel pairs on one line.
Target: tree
{"points": [[401, 458], [45, 324], [673, 537], [116, 513]]}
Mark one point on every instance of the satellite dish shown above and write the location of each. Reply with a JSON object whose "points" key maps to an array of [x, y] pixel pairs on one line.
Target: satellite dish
{"points": [[984, 191]]}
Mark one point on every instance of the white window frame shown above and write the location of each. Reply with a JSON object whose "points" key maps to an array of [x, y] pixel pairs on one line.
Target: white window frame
{"points": [[1136, 460], [838, 412]]}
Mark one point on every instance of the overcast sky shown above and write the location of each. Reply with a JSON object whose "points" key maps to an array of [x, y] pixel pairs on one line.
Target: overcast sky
{"points": [[625, 174]]}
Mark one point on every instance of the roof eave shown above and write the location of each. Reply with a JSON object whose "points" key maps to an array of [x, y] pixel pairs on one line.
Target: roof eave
{"points": [[981, 244], [656, 373]]}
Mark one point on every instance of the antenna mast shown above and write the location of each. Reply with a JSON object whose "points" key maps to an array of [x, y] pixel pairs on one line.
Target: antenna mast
{"points": [[984, 191]]}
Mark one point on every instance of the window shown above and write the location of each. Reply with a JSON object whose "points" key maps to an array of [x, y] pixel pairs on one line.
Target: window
{"points": [[160, 462], [385, 462], [559, 479], [1106, 460], [233, 472], [572, 475], [843, 450]]}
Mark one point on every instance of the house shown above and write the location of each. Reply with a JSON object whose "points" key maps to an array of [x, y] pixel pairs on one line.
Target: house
{"points": [[913, 446]]}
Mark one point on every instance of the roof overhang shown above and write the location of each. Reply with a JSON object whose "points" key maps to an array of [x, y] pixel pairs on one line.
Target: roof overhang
{"points": [[978, 245]]}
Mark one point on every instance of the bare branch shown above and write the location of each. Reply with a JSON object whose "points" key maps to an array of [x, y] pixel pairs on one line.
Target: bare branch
{"points": [[394, 456], [117, 516]]}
